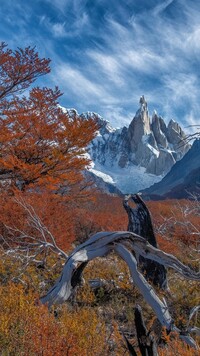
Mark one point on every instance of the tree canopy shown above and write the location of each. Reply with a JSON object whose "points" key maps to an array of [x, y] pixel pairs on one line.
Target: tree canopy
{"points": [[40, 144]]}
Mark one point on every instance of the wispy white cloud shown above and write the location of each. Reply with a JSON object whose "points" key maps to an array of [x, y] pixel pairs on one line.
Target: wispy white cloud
{"points": [[190, 122], [192, 41], [59, 4], [182, 86], [109, 65], [116, 114], [183, 91], [145, 60], [83, 87], [158, 9], [106, 54], [58, 29], [161, 50], [63, 29], [76, 5]]}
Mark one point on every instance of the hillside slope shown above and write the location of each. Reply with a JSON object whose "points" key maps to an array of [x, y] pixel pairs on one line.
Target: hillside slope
{"points": [[183, 178]]}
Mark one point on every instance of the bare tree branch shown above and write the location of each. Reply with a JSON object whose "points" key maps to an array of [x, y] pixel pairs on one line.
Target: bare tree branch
{"points": [[27, 247]]}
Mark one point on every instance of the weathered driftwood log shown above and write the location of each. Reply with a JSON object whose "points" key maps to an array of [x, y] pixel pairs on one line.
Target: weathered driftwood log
{"points": [[140, 222], [124, 244]]}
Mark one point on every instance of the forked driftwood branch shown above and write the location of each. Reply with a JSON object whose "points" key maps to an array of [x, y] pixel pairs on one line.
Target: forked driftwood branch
{"points": [[124, 243]]}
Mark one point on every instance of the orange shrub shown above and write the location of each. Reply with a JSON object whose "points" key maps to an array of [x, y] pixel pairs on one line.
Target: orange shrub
{"points": [[28, 328], [176, 347]]}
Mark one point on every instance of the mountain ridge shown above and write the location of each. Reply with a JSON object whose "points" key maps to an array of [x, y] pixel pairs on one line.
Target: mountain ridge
{"points": [[137, 156], [182, 180]]}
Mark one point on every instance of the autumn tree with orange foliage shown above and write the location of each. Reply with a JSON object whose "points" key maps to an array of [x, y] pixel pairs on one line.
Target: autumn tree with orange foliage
{"points": [[19, 69], [40, 144], [43, 150]]}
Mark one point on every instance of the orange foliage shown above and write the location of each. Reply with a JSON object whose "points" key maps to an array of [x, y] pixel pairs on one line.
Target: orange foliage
{"points": [[39, 142], [81, 330], [68, 221], [19, 69], [104, 213], [50, 208], [179, 221], [176, 347], [28, 328]]}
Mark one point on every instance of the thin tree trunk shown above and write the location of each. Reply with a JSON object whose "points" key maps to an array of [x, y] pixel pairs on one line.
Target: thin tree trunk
{"points": [[146, 342], [140, 222]]}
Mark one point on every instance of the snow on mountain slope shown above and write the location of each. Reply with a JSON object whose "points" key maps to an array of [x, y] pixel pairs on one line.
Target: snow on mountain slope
{"points": [[128, 180]]}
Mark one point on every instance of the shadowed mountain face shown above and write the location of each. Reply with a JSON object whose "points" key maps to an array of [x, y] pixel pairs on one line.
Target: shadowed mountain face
{"points": [[100, 185], [183, 178]]}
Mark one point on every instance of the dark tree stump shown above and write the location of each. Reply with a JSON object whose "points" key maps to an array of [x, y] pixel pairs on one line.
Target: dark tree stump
{"points": [[140, 222], [146, 341]]}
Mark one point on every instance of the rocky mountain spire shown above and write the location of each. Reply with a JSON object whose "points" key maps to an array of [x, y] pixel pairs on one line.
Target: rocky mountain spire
{"points": [[140, 125], [159, 129], [143, 103]]}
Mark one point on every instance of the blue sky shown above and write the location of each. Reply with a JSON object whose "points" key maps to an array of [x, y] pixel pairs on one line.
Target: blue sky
{"points": [[107, 53]]}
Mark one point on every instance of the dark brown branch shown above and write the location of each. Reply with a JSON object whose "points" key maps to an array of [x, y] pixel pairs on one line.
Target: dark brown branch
{"points": [[146, 341]]}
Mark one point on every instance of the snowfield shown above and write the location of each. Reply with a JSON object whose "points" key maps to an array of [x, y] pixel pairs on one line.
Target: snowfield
{"points": [[129, 180]]}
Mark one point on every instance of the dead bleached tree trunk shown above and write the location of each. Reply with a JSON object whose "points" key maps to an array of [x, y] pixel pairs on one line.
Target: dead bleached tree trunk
{"points": [[124, 244], [140, 222]]}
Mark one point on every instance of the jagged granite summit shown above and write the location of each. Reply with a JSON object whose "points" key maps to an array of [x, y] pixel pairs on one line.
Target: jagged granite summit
{"points": [[150, 144], [137, 156]]}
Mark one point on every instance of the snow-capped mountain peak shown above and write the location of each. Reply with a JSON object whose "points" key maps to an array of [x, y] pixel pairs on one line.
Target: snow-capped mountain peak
{"points": [[135, 157]]}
